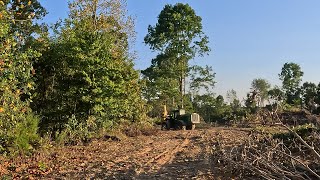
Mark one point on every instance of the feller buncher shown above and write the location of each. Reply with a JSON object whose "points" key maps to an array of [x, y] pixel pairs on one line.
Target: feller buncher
{"points": [[179, 120]]}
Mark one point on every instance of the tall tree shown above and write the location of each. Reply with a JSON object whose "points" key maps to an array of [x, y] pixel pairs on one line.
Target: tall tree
{"points": [[232, 95], [261, 86], [291, 77], [178, 37], [233, 99]]}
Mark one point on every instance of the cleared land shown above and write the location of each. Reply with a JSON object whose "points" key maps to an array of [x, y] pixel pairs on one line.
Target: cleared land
{"points": [[167, 155]]}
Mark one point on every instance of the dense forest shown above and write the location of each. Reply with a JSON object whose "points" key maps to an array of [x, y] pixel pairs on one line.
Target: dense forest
{"points": [[75, 80]]}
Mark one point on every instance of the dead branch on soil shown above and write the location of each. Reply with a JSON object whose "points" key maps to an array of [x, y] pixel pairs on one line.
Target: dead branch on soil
{"points": [[312, 149], [271, 157]]}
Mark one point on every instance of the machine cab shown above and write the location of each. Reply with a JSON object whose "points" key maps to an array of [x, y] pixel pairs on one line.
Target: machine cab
{"points": [[177, 113]]}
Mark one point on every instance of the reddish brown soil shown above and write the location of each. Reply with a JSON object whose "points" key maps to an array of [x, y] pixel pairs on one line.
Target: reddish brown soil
{"points": [[167, 155]]}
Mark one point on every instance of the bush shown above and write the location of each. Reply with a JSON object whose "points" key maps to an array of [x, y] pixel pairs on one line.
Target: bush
{"points": [[134, 129], [75, 133], [19, 135]]}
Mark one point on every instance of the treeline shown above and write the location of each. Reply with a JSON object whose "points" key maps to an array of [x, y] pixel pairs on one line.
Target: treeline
{"points": [[284, 131], [292, 95], [75, 79], [69, 81]]}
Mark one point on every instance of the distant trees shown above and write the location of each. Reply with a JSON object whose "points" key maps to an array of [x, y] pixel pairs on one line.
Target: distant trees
{"points": [[261, 87], [275, 94], [290, 95], [293, 93], [291, 77], [309, 95], [212, 108], [233, 99], [205, 105]]}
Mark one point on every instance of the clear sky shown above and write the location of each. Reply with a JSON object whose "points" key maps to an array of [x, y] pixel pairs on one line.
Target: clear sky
{"points": [[249, 38]]}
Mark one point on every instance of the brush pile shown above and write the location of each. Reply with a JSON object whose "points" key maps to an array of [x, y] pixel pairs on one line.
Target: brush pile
{"points": [[290, 153]]}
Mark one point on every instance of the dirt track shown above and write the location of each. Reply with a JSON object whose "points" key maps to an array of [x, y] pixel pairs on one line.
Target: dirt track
{"points": [[168, 155]]}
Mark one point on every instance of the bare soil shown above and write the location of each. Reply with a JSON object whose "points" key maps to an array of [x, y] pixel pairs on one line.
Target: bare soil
{"points": [[167, 155]]}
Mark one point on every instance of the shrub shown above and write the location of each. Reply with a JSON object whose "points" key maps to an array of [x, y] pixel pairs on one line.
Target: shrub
{"points": [[19, 134], [133, 129], [75, 133]]}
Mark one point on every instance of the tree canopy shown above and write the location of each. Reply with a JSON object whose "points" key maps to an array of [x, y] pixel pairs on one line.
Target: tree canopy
{"points": [[177, 37], [261, 86], [92, 79], [18, 124], [291, 77]]}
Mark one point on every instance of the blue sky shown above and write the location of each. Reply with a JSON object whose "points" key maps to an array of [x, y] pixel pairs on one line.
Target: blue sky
{"points": [[249, 38]]}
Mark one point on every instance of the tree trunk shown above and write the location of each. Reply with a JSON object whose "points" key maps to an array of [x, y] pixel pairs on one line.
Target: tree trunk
{"points": [[182, 82], [181, 90]]}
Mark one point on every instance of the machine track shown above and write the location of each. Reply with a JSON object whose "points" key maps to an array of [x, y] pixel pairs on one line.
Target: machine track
{"points": [[167, 155]]}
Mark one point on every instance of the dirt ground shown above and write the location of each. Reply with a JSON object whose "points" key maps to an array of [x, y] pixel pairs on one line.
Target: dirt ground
{"points": [[167, 155]]}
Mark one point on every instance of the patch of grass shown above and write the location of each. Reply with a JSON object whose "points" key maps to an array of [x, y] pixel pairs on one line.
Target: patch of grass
{"points": [[42, 166]]}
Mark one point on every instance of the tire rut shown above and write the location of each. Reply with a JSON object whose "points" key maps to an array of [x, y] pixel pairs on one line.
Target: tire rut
{"points": [[165, 157]]}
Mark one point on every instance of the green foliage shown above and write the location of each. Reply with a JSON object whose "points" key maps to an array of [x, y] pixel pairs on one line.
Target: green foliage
{"points": [[87, 74], [162, 82], [251, 102], [238, 112], [138, 128], [276, 94], [201, 78], [18, 125], [178, 30], [178, 38], [291, 77], [309, 95], [261, 86], [74, 132], [24, 13], [42, 166], [19, 135], [211, 108], [204, 105]]}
